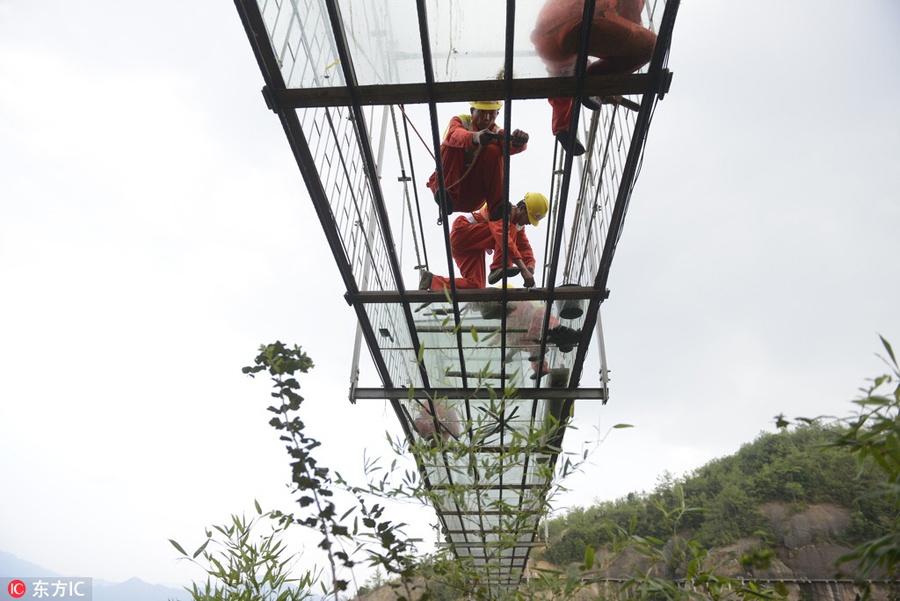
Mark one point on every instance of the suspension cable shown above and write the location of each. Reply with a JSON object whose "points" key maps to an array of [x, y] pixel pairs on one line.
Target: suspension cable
{"points": [[413, 126], [415, 189], [405, 180]]}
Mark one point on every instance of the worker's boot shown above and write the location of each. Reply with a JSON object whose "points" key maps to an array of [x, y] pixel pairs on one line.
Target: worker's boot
{"points": [[577, 148]]}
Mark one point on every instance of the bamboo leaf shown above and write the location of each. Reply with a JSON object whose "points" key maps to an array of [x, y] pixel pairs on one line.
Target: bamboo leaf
{"points": [[589, 557], [887, 347], [201, 549]]}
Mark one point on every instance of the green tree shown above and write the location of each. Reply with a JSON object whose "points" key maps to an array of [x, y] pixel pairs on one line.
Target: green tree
{"points": [[874, 435], [244, 565], [238, 559]]}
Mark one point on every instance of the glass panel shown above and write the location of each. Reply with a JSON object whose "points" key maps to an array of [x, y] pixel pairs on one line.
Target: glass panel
{"points": [[395, 343], [384, 41], [468, 40], [481, 343]]}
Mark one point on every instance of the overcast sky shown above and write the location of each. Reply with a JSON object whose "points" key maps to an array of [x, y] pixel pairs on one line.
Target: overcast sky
{"points": [[155, 230]]}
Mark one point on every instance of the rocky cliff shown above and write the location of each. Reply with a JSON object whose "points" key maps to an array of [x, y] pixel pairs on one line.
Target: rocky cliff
{"points": [[805, 560]]}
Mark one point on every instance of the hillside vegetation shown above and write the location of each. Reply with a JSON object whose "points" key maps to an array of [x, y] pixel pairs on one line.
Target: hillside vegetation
{"points": [[731, 498], [775, 521]]}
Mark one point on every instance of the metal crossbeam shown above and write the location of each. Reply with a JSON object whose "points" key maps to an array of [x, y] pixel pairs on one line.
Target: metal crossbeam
{"points": [[586, 394], [417, 93]]}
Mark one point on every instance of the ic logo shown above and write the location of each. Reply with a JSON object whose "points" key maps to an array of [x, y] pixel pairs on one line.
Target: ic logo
{"points": [[16, 589]]}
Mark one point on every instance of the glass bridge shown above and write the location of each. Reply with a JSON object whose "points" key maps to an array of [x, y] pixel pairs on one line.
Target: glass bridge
{"points": [[357, 85]]}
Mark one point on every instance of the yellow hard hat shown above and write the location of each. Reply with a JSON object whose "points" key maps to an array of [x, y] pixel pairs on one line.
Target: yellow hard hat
{"points": [[537, 206], [486, 105]]}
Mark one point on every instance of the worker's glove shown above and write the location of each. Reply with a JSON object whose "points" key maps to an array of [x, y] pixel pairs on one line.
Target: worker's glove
{"points": [[485, 137], [519, 138]]}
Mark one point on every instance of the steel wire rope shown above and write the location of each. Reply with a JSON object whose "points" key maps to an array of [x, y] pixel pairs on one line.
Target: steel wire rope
{"points": [[640, 163], [597, 204], [413, 125], [405, 180], [412, 172], [556, 170], [588, 227], [578, 225]]}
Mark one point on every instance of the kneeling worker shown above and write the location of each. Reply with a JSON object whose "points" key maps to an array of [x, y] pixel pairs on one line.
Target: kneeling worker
{"points": [[474, 234]]}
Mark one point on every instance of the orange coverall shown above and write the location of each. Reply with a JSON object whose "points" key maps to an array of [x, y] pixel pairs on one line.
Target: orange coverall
{"points": [[484, 181], [617, 38], [471, 237]]}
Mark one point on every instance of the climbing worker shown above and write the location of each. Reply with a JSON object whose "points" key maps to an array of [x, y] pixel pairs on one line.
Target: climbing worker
{"points": [[472, 160], [473, 235], [617, 39]]}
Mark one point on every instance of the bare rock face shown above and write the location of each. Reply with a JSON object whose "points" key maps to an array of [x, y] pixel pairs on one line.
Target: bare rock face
{"points": [[806, 538], [815, 524], [729, 559], [804, 543], [386, 593]]}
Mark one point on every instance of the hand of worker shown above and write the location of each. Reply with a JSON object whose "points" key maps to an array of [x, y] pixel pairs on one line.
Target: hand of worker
{"points": [[483, 137], [527, 276], [519, 138]]}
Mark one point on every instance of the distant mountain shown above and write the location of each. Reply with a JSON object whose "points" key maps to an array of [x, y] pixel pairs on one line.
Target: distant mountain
{"points": [[136, 589], [133, 589], [13, 567]]}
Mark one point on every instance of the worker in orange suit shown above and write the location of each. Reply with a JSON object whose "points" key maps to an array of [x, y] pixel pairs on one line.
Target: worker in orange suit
{"points": [[474, 235], [618, 40], [472, 160]]}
